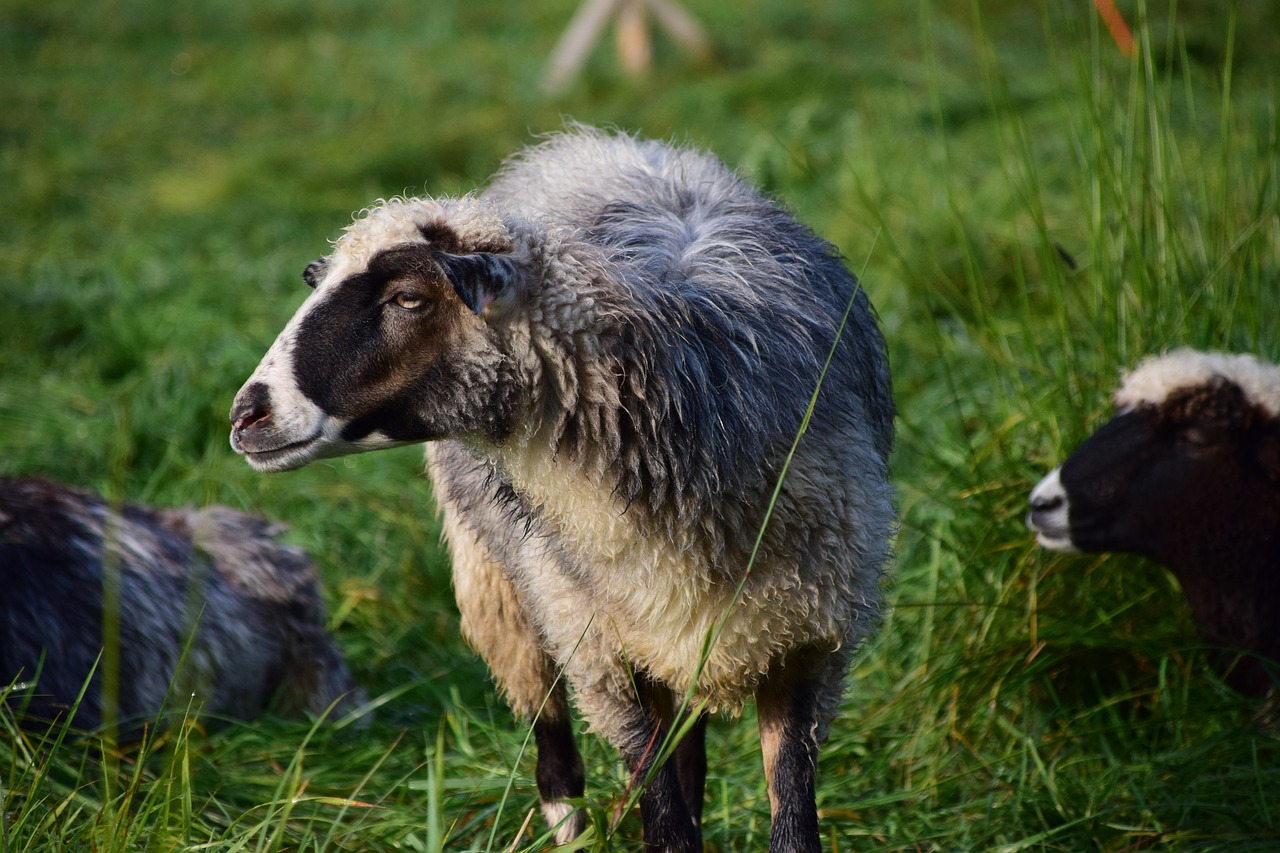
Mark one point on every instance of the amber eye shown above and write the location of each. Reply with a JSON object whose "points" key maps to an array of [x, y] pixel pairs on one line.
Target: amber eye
{"points": [[1202, 436], [408, 301]]}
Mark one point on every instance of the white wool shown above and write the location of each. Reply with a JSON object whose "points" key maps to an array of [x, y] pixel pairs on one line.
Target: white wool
{"points": [[397, 221], [564, 818], [1156, 377]]}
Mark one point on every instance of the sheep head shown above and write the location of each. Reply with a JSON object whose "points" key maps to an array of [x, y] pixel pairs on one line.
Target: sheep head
{"points": [[394, 346], [1181, 468]]}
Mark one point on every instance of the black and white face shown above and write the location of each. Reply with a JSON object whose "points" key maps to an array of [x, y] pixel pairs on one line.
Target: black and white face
{"points": [[1160, 480], [1050, 516], [1084, 504], [390, 351]]}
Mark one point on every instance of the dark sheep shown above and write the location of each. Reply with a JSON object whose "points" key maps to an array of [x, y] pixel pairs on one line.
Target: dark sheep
{"points": [[611, 352], [212, 585], [1187, 473]]}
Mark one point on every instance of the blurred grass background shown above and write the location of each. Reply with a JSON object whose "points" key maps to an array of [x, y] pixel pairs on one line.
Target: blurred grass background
{"points": [[1030, 210]]}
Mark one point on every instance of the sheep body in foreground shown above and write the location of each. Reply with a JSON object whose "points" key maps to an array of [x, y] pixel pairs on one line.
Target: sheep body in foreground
{"points": [[611, 351], [1187, 473], [212, 584]]}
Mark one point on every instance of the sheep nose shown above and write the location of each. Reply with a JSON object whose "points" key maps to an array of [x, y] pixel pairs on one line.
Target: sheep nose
{"points": [[252, 406], [1044, 503]]}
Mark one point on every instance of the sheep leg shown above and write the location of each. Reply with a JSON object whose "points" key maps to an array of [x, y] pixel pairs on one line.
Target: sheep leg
{"points": [[690, 753], [559, 768], [789, 705], [495, 624], [691, 767], [668, 823]]}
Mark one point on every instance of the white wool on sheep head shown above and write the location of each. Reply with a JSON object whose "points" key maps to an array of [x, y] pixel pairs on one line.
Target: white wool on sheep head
{"points": [[1157, 377], [400, 220]]}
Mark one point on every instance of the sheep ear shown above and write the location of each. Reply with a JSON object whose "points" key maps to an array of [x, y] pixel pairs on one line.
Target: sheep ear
{"points": [[315, 272], [482, 280]]}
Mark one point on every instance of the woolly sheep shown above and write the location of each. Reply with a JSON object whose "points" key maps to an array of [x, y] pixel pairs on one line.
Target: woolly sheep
{"points": [[1188, 474], [251, 602], [610, 352]]}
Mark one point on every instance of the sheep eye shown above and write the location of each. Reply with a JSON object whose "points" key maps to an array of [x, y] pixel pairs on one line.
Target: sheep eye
{"points": [[408, 301], [1197, 436]]}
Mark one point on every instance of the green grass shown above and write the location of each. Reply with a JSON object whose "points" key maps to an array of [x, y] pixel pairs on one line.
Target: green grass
{"points": [[167, 169]]}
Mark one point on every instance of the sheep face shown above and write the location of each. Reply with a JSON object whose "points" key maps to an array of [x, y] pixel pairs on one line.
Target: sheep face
{"points": [[1164, 481], [390, 349]]}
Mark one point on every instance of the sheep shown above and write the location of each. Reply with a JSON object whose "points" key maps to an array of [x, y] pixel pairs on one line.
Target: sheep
{"points": [[610, 352], [208, 602], [1187, 473]]}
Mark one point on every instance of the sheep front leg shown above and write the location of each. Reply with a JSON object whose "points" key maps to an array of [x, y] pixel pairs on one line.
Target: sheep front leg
{"points": [[495, 624], [559, 770], [527, 675], [789, 705]]}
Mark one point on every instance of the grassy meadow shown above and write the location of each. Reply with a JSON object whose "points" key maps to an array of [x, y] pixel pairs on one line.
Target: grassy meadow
{"points": [[1030, 209]]}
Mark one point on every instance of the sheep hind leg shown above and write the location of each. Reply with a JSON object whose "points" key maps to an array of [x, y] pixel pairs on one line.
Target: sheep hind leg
{"points": [[690, 754], [670, 823], [691, 767], [790, 705]]}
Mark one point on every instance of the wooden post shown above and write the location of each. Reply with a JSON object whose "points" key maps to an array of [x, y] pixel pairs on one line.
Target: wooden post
{"points": [[634, 46]]}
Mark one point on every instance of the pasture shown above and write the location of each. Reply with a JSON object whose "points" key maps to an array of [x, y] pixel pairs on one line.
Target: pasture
{"points": [[1030, 209]]}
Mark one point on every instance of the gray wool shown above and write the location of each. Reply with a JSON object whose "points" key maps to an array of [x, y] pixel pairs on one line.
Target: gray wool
{"points": [[212, 609]]}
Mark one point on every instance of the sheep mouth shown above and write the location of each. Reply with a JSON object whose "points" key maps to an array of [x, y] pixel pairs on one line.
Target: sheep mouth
{"points": [[285, 457], [1049, 530], [1050, 516]]}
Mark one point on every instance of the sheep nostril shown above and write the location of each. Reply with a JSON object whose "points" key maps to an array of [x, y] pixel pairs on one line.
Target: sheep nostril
{"points": [[1041, 504], [252, 406], [250, 418]]}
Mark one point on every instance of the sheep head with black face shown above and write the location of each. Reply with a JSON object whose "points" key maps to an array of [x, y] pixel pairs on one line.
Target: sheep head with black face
{"points": [[1187, 473], [397, 338]]}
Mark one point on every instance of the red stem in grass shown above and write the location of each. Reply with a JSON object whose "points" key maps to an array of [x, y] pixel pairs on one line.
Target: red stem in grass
{"points": [[1116, 26]]}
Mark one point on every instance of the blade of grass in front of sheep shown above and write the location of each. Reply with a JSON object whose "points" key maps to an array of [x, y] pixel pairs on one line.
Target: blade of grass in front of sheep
{"points": [[109, 658], [364, 710], [714, 636], [664, 748], [683, 713], [332, 839], [28, 684], [32, 764], [436, 832], [287, 794], [180, 673]]}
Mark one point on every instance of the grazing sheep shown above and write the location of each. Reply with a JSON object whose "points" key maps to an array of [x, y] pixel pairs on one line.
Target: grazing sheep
{"points": [[611, 351], [252, 603], [1187, 473]]}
